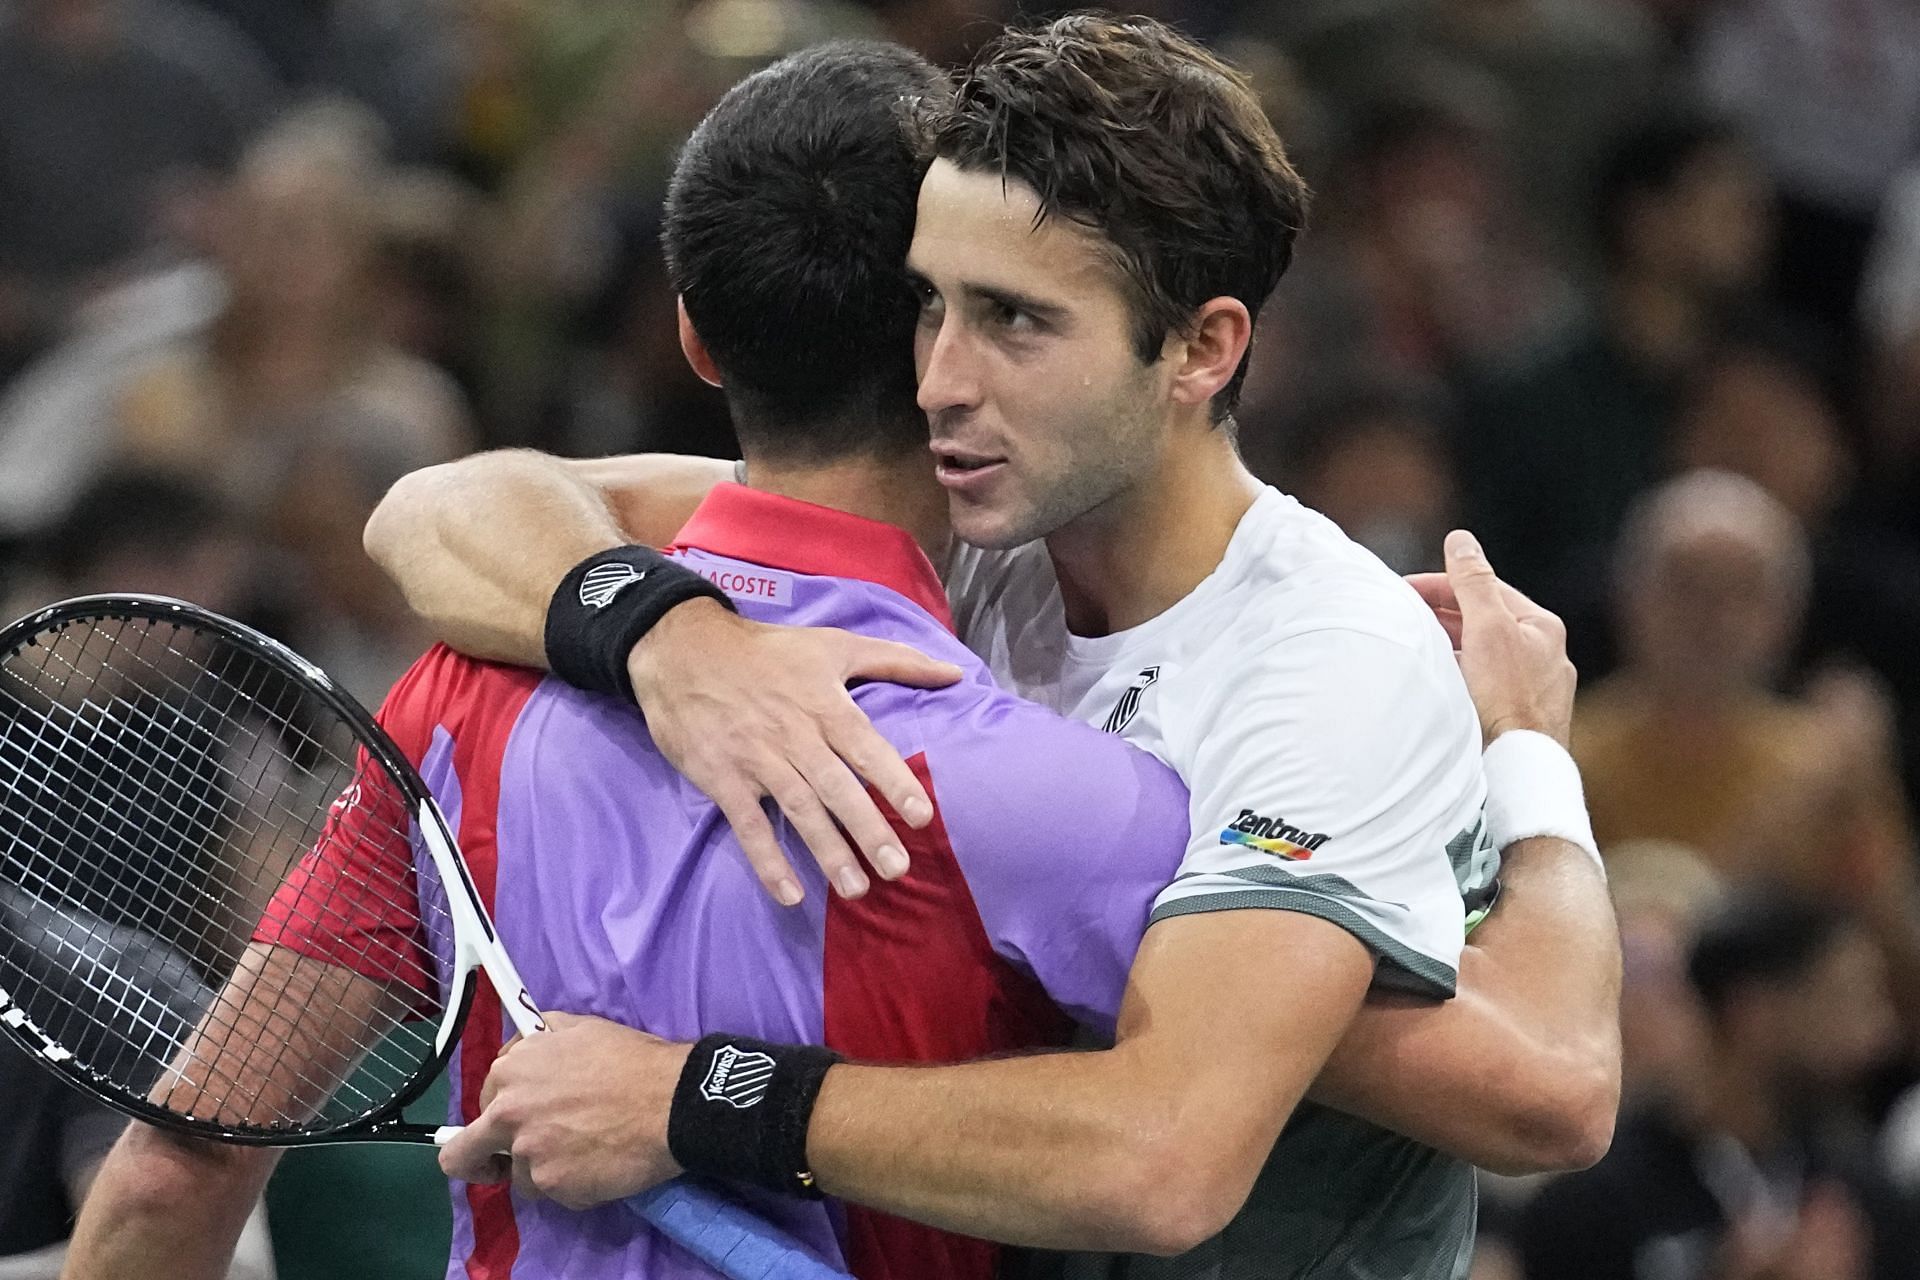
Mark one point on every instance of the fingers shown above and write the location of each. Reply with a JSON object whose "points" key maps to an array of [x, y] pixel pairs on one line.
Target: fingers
{"points": [[476, 1153], [1435, 589], [853, 738], [741, 807], [854, 810], [1477, 590], [870, 659], [801, 805]]}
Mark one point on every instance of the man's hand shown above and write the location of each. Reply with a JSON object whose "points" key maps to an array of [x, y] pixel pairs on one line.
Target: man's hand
{"points": [[580, 1108], [1512, 652], [746, 710]]}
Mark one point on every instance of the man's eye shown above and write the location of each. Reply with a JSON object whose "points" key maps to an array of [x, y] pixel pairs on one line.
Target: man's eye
{"points": [[1007, 316]]}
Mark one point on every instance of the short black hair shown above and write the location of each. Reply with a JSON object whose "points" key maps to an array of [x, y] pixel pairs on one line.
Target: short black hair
{"points": [[786, 231], [1649, 158], [1762, 937]]}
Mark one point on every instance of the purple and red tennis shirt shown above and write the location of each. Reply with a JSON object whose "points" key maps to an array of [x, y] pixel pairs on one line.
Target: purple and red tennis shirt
{"points": [[620, 891]]}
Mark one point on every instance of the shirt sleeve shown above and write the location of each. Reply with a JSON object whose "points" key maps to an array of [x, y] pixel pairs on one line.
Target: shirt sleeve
{"points": [[353, 899], [1064, 835], [1336, 776]]}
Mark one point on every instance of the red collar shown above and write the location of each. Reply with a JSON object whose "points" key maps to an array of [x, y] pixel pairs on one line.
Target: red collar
{"points": [[785, 533]]}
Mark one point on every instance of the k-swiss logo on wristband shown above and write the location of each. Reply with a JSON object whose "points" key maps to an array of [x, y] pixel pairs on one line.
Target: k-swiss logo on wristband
{"points": [[737, 1077], [600, 584]]}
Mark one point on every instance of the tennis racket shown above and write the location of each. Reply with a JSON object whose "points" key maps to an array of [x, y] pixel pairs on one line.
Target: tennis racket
{"points": [[230, 907]]}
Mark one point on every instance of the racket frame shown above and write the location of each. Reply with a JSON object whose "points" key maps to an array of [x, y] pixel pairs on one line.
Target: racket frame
{"points": [[477, 946], [722, 1234]]}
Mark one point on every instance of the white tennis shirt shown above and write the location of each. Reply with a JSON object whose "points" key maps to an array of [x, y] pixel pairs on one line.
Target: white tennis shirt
{"points": [[1313, 706]]}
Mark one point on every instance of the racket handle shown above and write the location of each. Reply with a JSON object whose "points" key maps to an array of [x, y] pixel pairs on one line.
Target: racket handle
{"points": [[728, 1236]]}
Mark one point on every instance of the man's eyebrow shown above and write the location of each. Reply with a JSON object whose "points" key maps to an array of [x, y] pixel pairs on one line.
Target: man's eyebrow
{"points": [[1014, 300]]}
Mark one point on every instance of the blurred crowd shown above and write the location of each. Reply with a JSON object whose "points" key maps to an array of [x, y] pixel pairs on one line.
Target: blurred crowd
{"points": [[1630, 287]]}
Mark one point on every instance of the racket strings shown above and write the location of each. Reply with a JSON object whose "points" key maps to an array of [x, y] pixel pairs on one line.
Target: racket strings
{"points": [[160, 789]]}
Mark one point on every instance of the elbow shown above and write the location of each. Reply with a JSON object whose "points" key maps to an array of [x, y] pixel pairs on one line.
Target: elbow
{"points": [[1569, 1123], [1174, 1197], [1590, 1111], [397, 522], [152, 1174]]}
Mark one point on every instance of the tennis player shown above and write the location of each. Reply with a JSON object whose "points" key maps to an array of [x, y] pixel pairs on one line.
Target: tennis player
{"points": [[1033, 886], [977, 954], [1079, 369]]}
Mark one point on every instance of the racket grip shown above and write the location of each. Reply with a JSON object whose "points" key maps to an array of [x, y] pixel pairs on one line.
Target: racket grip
{"points": [[728, 1236]]}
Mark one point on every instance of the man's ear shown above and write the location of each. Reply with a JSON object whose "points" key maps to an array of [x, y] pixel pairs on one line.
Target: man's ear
{"points": [[1206, 357], [694, 349]]}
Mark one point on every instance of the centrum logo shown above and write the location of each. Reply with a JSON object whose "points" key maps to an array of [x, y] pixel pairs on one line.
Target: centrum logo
{"points": [[1271, 835]]}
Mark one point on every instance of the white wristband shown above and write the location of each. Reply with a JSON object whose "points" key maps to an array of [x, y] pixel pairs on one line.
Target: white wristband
{"points": [[1533, 789]]}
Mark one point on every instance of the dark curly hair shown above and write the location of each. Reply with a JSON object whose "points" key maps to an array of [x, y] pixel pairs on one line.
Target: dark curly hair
{"points": [[1130, 129]]}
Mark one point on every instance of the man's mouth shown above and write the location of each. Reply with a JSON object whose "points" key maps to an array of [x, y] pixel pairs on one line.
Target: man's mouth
{"points": [[961, 460], [960, 472]]}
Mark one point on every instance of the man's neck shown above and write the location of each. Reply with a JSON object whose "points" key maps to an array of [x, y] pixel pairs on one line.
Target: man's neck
{"points": [[897, 491], [1145, 550]]}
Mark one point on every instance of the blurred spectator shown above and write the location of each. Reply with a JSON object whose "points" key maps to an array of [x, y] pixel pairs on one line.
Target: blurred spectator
{"points": [[402, 59], [1764, 1169], [1372, 457], [1555, 445], [1687, 742], [57, 419], [132, 530], [288, 401], [1421, 263], [1826, 95], [106, 107], [1755, 406], [1570, 75], [1759, 406], [1661, 892], [1890, 320]]}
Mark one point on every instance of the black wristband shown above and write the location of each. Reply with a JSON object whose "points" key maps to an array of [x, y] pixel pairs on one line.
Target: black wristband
{"points": [[605, 604], [741, 1110]]}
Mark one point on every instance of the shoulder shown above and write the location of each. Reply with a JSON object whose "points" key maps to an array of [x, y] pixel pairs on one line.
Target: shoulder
{"points": [[444, 685], [1036, 768], [1298, 576]]}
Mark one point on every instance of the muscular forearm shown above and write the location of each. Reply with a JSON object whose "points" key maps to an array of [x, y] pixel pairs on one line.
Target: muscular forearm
{"points": [[166, 1208], [1061, 1151], [478, 546], [1149, 1147], [1520, 1072]]}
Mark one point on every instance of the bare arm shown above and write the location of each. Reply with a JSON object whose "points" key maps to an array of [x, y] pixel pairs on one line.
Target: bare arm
{"points": [[478, 545], [1520, 1071], [165, 1206]]}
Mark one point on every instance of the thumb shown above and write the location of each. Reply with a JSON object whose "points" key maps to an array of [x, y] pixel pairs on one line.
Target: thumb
{"points": [[871, 659], [474, 1153], [1475, 585]]}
